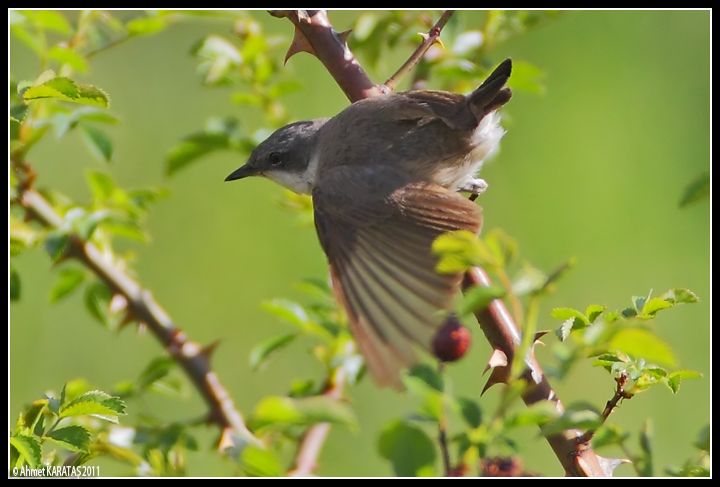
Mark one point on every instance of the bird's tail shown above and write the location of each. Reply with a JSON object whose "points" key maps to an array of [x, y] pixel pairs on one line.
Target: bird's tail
{"points": [[492, 93]]}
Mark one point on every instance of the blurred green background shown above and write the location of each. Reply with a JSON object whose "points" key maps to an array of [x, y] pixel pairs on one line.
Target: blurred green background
{"points": [[593, 169]]}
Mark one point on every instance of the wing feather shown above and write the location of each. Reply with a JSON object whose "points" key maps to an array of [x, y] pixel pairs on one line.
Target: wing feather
{"points": [[377, 229]]}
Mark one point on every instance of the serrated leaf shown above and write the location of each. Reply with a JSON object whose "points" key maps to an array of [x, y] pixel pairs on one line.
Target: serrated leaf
{"points": [[67, 281], [29, 449], [697, 190], [641, 343], [259, 462], [74, 438], [65, 89], [262, 351], [537, 414], [15, 286], [681, 296], [94, 403], [478, 298], [277, 410], [593, 311], [98, 143], [192, 148], [675, 378], [652, 306], [408, 448], [146, 25], [563, 331]]}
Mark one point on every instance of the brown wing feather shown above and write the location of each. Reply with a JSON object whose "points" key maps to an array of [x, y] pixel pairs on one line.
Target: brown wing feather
{"points": [[377, 228]]}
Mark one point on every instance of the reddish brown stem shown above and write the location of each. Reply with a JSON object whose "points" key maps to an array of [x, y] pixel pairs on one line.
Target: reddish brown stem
{"points": [[193, 358], [329, 47], [610, 406], [314, 438]]}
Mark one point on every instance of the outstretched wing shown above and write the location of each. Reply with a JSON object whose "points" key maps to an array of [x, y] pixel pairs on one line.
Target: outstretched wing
{"points": [[377, 228]]}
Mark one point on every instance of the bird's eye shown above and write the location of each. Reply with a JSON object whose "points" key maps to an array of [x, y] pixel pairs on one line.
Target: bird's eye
{"points": [[275, 159]]}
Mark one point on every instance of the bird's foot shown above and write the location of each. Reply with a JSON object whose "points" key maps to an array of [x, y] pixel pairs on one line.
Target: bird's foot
{"points": [[475, 187]]}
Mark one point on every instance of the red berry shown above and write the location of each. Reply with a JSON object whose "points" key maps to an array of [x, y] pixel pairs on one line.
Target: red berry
{"points": [[451, 341]]}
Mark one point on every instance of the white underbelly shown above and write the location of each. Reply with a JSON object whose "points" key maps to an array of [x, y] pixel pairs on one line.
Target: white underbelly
{"points": [[486, 141]]}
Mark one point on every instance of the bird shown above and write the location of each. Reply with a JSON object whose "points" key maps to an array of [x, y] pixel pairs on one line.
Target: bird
{"points": [[385, 175]]}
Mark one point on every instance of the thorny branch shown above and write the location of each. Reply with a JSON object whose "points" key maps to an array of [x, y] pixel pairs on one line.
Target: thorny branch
{"points": [[576, 457], [192, 357], [610, 406], [429, 39]]}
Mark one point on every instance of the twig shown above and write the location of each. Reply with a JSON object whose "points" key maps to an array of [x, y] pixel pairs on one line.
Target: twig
{"points": [[142, 307], [429, 39], [578, 459], [331, 49], [610, 406], [442, 433], [314, 438]]}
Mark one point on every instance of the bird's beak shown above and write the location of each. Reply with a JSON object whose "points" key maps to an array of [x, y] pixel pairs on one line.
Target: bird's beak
{"points": [[242, 172]]}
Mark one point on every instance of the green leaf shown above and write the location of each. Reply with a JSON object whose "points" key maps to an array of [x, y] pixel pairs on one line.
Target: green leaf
{"points": [[681, 296], [641, 343], [652, 306], [537, 414], [277, 410], [55, 244], [98, 143], [101, 185], [408, 448], [582, 420], [94, 403], [698, 190], [74, 438], [593, 311], [48, 20], [426, 383], [156, 370], [364, 26], [259, 462], [609, 434], [427, 375], [67, 281], [261, 352], [146, 25], [65, 55], [97, 301], [65, 89], [29, 449], [644, 461], [294, 314], [192, 148], [675, 378], [470, 411], [478, 298], [703, 439], [572, 320], [15, 286], [458, 251]]}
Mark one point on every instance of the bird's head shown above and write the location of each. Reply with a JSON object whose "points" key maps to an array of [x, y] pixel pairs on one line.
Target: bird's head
{"points": [[285, 157]]}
